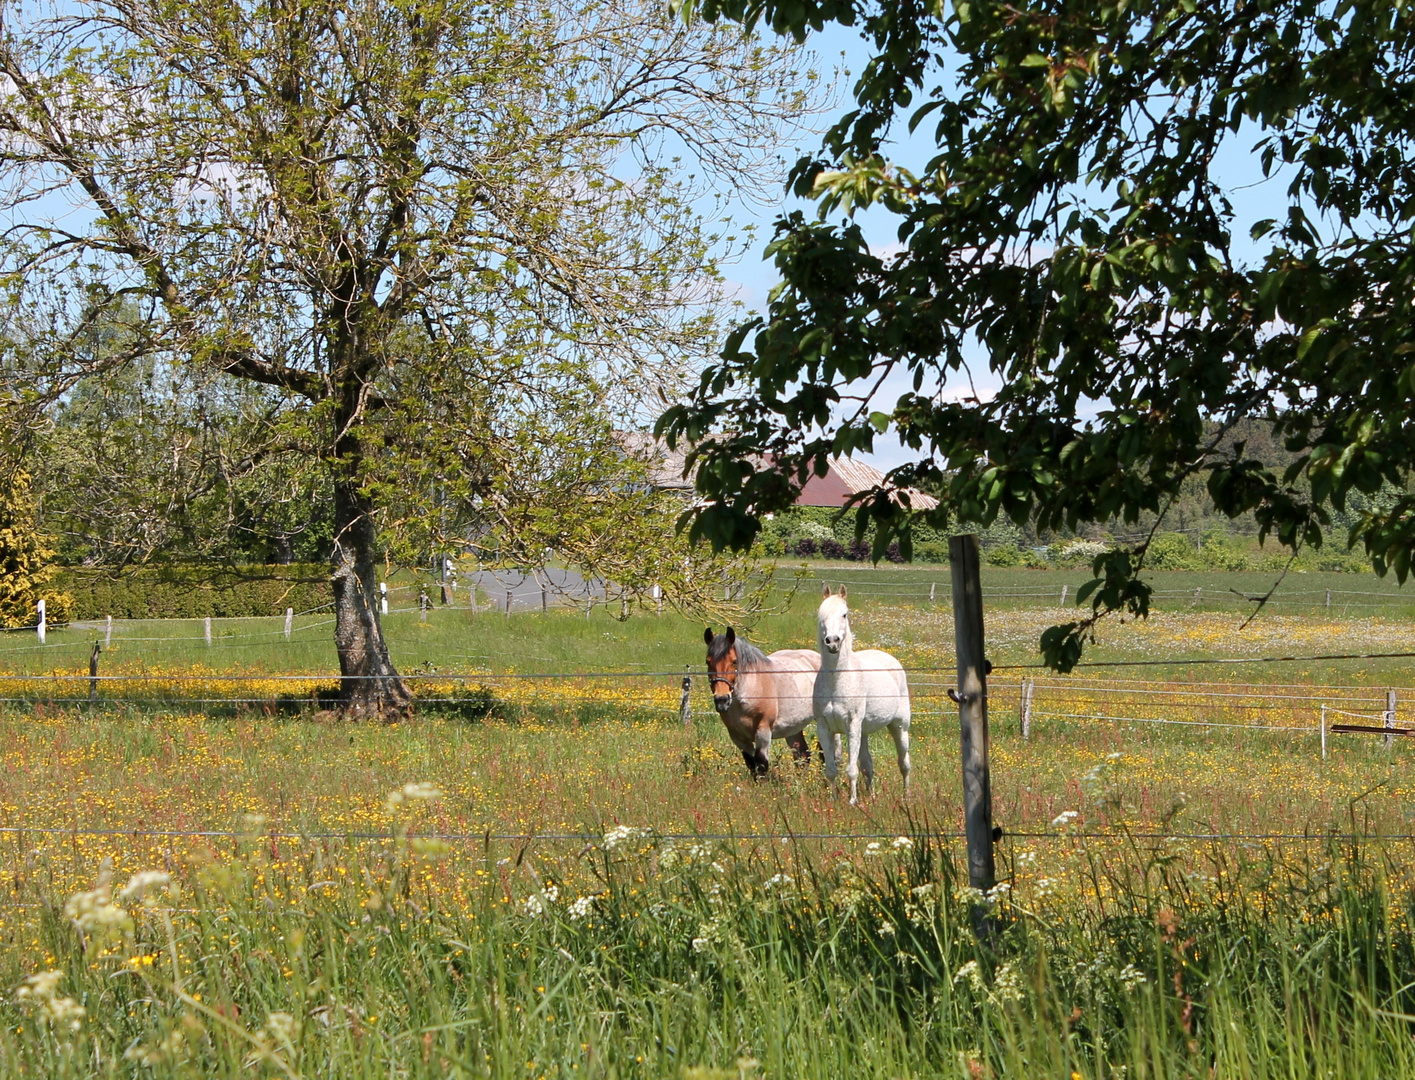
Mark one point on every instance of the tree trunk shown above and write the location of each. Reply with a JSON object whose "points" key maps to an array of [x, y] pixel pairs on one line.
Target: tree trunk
{"points": [[370, 687]]}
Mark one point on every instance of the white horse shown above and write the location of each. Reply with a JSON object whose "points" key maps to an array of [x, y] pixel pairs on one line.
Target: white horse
{"points": [[856, 693]]}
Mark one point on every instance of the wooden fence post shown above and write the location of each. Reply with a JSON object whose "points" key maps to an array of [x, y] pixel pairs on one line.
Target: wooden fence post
{"points": [[589, 604], [1324, 733], [508, 604], [1328, 599], [1027, 686], [1064, 590], [932, 586], [1388, 718], [972, 699], [685, 711], [289, 622], [544, 601], [422, 605], [1197, 593], [93, 673], [107, 630], [42, 625], [658, 598], [206, 630], [383, 597]]}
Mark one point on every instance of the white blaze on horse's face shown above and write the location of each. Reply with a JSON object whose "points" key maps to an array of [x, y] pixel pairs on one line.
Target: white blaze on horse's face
{"points": [[833, 620]]}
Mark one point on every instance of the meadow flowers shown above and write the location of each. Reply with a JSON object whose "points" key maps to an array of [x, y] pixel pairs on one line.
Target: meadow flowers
{"points": [[42, 991]]}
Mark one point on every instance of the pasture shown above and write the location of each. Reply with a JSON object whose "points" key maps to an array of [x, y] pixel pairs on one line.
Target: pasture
{"points": [[584, 886]]}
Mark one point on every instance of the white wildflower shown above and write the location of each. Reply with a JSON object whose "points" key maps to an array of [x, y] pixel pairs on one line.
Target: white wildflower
{"points": [[283, 1028], [538, 903], [582, 908], [972, 975], [1007, 986], [411, 793], [1045, 886], [886, 929], [1066, 817], [967, 894], [902, 844], [1026, 859], [143, 882], [701, 944], [42, 991], [1130, 977], [777, 881], [623, 835], [873, 848]]}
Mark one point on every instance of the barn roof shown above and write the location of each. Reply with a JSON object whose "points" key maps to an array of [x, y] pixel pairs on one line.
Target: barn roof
{"points": [[847, 477]]}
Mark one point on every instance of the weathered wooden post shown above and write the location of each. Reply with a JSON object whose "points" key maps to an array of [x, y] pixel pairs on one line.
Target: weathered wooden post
{"points": [[206, 630], [972, 699], [1064, 590], [1328, 599], [685, 710], [1388, 717], [544, 601], [932, 586], [422, 605], [1027, 685], [658, 598], [107, 630], [1197, 593], [508, 604], [383, 598], [289, 622], [42, 625], [1324, 733], [93, 673]]}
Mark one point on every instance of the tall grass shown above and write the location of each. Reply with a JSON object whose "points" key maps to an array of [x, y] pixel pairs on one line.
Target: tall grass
{"points": [[641, 957]]}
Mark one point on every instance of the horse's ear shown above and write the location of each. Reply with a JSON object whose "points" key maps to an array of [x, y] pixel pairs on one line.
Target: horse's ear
{"points": [[842, 592], [731, 636], [707, 636], [825, 588]]}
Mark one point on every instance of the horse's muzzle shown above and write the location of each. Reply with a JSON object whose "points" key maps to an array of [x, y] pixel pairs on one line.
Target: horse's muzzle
{"points": [[721, 702], [832, 646]]}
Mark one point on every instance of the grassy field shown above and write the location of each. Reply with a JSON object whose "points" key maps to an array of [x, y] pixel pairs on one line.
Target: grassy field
{"points": [[554, 877]]}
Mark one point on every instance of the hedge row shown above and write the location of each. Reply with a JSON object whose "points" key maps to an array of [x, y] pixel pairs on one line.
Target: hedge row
{"points": [[187, 592]]}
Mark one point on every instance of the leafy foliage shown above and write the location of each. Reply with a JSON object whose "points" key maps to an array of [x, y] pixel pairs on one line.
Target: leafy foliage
{"points": [[25, 568], [1073, 225]]}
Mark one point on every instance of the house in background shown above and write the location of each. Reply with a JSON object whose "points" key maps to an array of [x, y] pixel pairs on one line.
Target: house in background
{"points": [[845, 477]]}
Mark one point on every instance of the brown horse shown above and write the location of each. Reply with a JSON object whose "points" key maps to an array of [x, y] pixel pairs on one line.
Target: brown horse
{"points": [[761, 697]]}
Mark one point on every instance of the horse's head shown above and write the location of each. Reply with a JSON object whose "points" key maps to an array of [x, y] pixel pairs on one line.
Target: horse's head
{"points": [[832, 621], [721, 666]]}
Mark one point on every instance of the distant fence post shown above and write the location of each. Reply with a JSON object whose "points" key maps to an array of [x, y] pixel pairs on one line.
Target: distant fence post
{"points": [[107, 630], [383, 598], [1328, 599], [1027, 685], [932, 586], [289, 622], [658, 598], [1197, 593], [589, 603], [1324, 733], [508, 603], [93, 673], [42, 625], [1064, 590], [422, 605], [1388, 718], [544, 601], [624, 608], [206, 630], [685, 711]]}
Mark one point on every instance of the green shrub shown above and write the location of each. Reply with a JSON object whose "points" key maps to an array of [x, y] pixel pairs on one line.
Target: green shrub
{"points": [[931, 552], [1171, 551], [1005, 555], [190, 592]]}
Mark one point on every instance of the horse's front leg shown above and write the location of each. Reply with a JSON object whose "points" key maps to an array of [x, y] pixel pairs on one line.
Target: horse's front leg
{"points": [[826, 738], [867, 763], [800, 750], [854, 735], [761, 751], [900, 730]]}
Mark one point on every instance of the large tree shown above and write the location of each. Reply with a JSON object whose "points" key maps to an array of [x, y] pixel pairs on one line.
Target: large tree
{"points": [[1070, 234], [438, 233]]}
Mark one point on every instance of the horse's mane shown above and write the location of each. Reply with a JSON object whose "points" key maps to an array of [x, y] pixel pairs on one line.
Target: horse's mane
{"points": [[748, 655]]}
